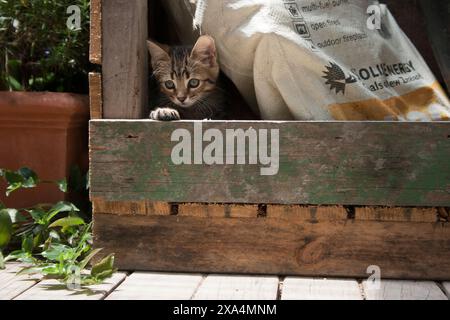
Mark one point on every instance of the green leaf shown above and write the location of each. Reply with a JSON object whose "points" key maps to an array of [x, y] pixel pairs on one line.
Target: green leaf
{"points": [[51, 269], [16, 216], [13, 83], [60, 207], [89, 257], [54, 235], [23, 178], [13, 187], [6, 228], [37, 214], [56, 252], [105, 268], [20, 255], [67, 222], [62, 185], [2, 261], [27, 244], [12, 177], [30, 178]]}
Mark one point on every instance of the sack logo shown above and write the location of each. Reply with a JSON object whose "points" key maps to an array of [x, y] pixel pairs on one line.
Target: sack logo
{"points": [[336, 78]]}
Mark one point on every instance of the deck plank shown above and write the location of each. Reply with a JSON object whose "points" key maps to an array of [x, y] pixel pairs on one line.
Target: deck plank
{"points": [[320, 289], [446, 286], [11, 285], [52, 289], [404, 290], [157, 286], [218, 287]]}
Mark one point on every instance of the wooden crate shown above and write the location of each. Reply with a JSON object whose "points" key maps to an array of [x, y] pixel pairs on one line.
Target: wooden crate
{"points": [[348, 195]]}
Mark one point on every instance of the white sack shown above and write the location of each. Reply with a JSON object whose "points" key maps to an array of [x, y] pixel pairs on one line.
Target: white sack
{"points": [[318, 60]]}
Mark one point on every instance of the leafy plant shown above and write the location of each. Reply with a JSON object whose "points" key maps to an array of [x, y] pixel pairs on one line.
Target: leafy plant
{"points": [[54, 239], [5, 232], [38, 52]]}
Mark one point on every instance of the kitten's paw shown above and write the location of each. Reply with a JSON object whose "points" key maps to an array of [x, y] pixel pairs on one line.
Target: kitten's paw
{"points": [[165, 114]]}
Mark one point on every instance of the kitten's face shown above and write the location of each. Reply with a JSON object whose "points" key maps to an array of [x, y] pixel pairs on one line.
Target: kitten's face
{"points": [[185, 76]]}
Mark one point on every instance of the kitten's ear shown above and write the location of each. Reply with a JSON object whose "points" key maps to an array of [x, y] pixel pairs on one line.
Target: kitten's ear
{"points": [[205, 51], [158, 53]]}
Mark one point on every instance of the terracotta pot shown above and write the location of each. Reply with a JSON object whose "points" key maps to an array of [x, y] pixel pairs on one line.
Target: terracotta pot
{"points": [[47, 132]]}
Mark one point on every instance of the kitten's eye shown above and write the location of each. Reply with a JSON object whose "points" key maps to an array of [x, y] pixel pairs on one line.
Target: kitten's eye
{"points": [[193, 83], [169, 84]]}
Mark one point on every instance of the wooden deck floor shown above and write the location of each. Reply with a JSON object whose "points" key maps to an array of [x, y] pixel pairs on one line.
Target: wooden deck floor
{"points": [[166, 286]]}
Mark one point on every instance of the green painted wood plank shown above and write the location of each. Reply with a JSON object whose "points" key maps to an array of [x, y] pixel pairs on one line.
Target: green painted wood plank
{"points": [[349, 163]]}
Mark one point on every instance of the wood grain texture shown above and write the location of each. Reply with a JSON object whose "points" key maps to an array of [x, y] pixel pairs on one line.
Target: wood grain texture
{"points": [[217, 210], [95, 42], [403, 290], [397, 214], [228, 287], [11, 284], [157, 286], [125, 58], [95, 95], [320, 289], [131, 207], [275, 246], [346, 163], [306, 213], [52, 289], [444, 214]]}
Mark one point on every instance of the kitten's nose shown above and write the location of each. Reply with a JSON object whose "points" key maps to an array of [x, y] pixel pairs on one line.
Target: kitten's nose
{"points": [[181, 99]]}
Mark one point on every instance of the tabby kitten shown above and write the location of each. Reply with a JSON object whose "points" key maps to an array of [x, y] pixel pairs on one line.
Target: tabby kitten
{"points": [[186, 81]]}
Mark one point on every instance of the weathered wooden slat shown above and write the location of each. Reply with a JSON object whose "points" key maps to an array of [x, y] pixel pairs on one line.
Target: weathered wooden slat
{"points": [[403, 290], [346, 163], [11, 284], [125, 58], [217, 210], [95, 95], [54, 290], [397, 214], [142, 207], [157, 286], [444, 214], [95, 42], [227, 287], [320, 289], [275, 246], [307, 213]]}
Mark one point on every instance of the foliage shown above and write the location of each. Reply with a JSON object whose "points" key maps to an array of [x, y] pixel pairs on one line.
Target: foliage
{"points": [[38, 52], [54, 239]]}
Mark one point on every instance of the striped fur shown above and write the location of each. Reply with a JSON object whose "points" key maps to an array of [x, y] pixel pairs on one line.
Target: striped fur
{"points": [[185, 82]]}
